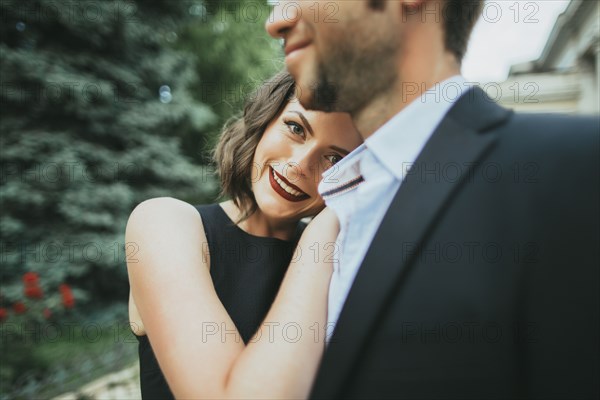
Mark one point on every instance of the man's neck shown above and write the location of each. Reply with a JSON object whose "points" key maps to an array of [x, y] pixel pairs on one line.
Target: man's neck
{"points": [[408, 87]]}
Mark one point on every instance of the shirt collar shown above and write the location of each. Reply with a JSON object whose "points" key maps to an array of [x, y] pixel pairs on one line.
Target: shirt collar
{"points": [[343, 176], [398, 142]]}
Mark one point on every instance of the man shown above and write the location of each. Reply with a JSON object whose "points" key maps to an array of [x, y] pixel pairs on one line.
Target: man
{"points": [[469, 234]]}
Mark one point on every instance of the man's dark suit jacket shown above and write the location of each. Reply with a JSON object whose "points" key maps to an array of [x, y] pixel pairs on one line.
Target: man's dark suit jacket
{"points": [[483, 278]]}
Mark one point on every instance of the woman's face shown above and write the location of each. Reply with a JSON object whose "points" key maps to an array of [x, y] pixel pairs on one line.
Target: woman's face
{"points": [[295, 149]]}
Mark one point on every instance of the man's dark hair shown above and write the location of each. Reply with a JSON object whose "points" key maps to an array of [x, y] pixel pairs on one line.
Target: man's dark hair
{"points": [[459, 18]]}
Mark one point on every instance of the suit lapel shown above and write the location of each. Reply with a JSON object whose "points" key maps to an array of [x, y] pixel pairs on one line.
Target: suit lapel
{"points": [[458, 140]]}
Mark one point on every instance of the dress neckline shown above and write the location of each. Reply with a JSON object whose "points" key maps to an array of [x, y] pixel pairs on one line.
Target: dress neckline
{"points": [[263, 238]]}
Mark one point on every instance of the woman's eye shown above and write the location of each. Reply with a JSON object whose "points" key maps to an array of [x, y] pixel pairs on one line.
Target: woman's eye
{"points": [[295, 128], [334, 159]]}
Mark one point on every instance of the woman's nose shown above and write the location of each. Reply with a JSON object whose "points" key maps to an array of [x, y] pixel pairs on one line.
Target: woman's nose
{"points": [[283, 17], [304, 166]]}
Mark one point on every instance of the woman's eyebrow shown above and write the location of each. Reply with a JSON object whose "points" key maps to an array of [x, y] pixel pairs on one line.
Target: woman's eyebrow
{"points": [[305, 121]]}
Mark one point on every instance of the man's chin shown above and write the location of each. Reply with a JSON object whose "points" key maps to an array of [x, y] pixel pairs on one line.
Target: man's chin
{"points": [[306, 100], [313, 89]]}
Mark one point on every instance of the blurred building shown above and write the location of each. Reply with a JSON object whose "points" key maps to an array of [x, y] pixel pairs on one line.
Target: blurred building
{"points": [[566, 76]]}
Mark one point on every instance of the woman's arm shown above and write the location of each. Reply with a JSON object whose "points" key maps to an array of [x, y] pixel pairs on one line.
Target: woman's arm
{"points": [[135, 321], [284, 364], [195, 341]]}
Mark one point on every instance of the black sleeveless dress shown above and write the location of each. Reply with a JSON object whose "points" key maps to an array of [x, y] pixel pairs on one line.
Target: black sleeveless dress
{"points": [[246, 270]]}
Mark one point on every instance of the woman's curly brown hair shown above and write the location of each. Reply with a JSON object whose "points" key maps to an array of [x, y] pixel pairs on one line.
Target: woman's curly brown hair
{"points": [[234, 152]]}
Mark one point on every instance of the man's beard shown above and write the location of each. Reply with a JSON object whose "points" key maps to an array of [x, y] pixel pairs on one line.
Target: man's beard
{"points": [[340, 94], [324, 94], [348, 80]]}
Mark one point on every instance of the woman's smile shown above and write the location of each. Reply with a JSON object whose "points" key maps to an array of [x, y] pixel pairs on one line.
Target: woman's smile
{"points": [[284, 188], [297, 146]]}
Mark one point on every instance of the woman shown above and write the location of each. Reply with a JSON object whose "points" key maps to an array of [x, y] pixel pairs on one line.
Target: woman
{"points": [[199, 280]]}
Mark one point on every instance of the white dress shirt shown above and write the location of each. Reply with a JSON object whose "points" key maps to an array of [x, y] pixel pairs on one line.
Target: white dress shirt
{"points": [[360, 188]]}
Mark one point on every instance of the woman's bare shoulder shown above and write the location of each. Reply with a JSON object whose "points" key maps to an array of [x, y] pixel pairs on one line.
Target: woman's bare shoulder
{"points": [[158, 232], [162, 236], [165, 222], [164, 213], [159, 207]]}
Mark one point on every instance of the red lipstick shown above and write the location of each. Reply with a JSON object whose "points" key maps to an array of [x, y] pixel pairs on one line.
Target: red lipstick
{"points": [[281, 191]]}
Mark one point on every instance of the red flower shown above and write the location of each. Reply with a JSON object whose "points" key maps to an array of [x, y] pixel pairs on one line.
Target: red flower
{"points": [[47, 313], [19, 307], [68, 301], [3, 314], [67, 295], [30, 278], [34, 292]]}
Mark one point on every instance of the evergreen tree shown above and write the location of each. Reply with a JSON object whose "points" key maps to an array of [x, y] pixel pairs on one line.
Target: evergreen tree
{"points": [[93, 101], [104, 104]]}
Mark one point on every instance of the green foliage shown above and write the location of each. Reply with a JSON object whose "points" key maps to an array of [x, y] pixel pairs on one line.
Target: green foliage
{"points": [[233, 32], [104, 104], [86, 135], [66, 355], [93, 97]]}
